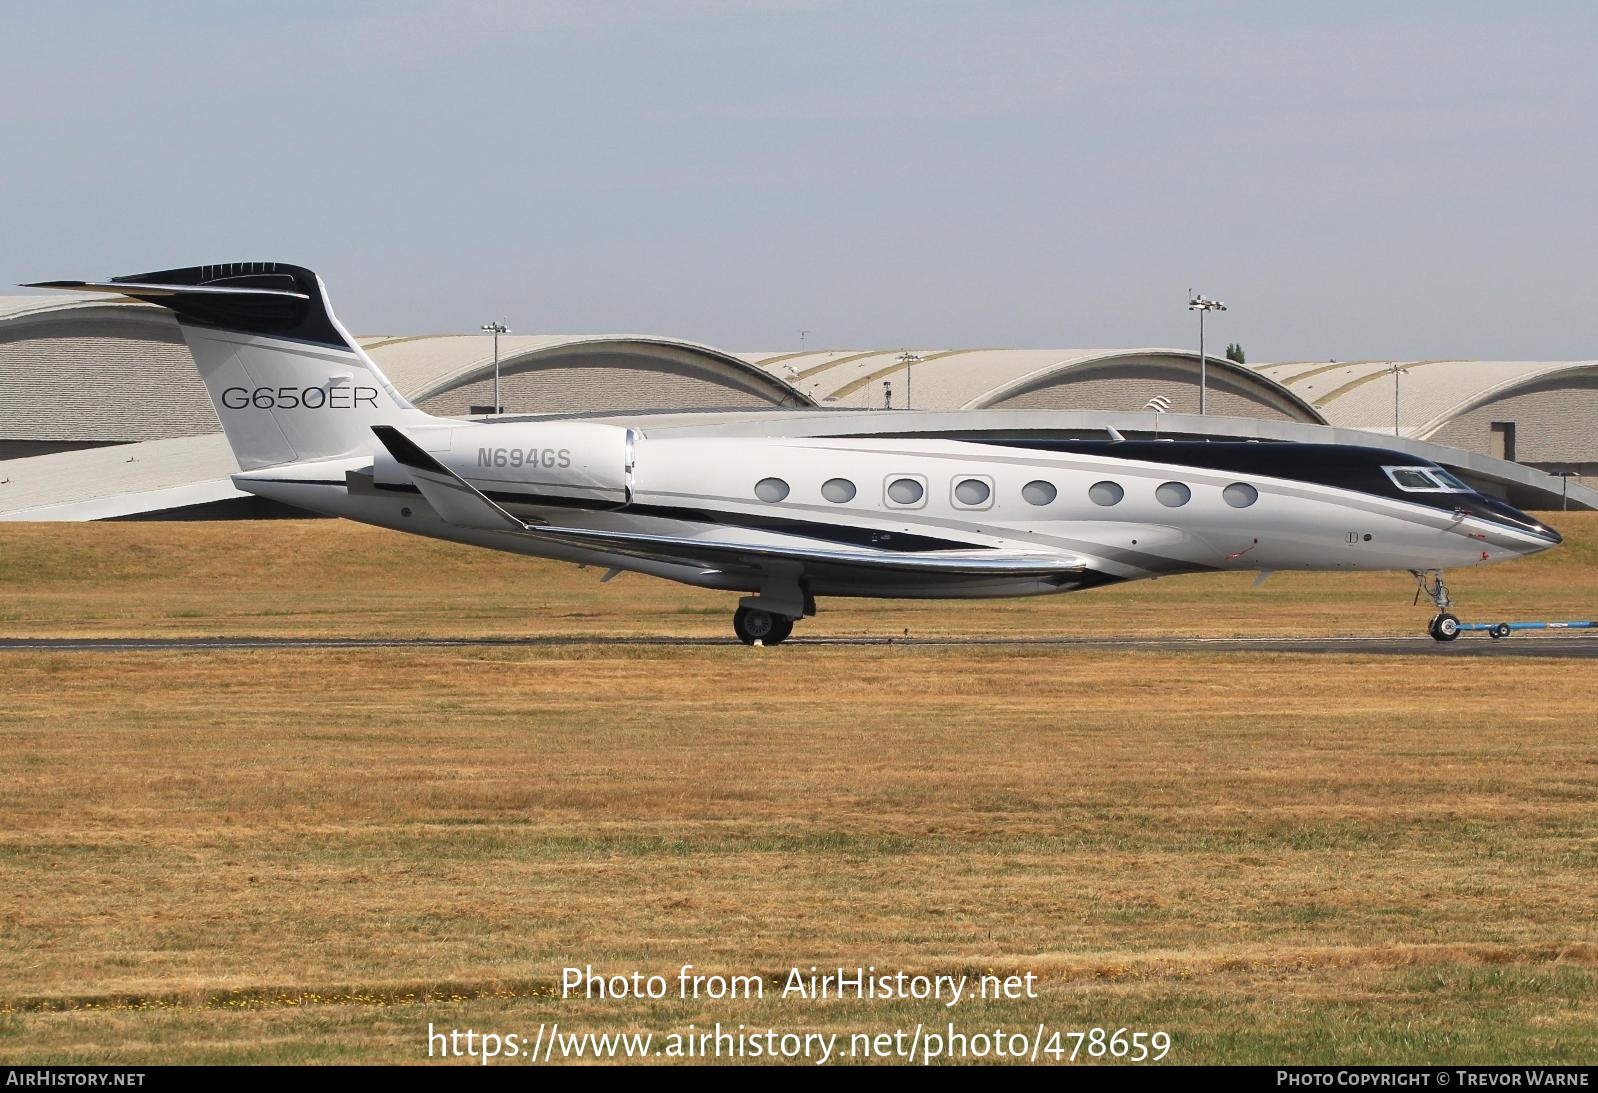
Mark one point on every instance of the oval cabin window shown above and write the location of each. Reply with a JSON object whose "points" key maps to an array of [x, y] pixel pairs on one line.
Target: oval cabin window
{"points": [[905, 491], [1039, 493], [1240, 495], [1106, 493], [1173, 495], [838, 490], [972, 491]]}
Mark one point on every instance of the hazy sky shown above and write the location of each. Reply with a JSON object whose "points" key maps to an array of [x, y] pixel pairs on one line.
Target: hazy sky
{"points": [[1354, 180]]}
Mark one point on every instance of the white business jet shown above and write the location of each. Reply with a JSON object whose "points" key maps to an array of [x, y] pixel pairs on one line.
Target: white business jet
{"points": [[315, 424]]}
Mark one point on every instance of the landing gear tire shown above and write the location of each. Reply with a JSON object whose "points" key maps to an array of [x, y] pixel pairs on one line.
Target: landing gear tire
{"points": [[1444, 625], [783, 629], [752, 625]]}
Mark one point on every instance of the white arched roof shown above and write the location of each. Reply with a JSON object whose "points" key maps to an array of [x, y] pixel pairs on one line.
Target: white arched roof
{"points": [[424, 366], [1359, 394], [970, 379]]}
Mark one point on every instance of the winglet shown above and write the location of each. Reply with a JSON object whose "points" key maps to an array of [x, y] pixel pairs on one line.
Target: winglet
{"points": [[456, 500], [407, 453]]}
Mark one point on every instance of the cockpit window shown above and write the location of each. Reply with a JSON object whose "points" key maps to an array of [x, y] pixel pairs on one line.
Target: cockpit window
{"points": [[1410, 478], [1426, 480]]}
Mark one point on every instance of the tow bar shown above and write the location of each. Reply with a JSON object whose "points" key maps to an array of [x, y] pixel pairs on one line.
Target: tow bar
{"points": [[1496, 630]]}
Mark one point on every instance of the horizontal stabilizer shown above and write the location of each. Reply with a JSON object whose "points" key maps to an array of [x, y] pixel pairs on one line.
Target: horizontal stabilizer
{"points": [[270, 298], [152, 292]]}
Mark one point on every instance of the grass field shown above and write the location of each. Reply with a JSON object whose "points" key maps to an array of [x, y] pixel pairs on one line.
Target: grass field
{"points": [[310, 855]]}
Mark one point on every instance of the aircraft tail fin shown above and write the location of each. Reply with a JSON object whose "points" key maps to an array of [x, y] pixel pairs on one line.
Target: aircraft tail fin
{"points": [[288, 382]]}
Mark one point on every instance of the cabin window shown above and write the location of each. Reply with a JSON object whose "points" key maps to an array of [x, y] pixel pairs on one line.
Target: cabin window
{"points": [[838, 490], [771, 489], [1173, 495], [906, 491], [1106, 493], [1240, 495], [972, 493], [1039, 493]]}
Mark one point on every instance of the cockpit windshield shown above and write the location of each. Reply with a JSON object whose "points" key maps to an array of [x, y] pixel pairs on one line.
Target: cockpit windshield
{"points": [[1449, 480], [1426, 480]]}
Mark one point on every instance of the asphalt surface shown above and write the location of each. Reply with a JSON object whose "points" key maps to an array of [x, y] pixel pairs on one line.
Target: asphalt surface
{"points": [[1560, 646]]}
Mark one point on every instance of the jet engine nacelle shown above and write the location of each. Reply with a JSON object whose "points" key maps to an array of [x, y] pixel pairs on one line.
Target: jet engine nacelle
{"points": [[556, 459]]}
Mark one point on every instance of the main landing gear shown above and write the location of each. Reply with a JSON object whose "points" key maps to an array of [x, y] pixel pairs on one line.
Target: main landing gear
{"points": [[766, 627], [1445, 624], [768, 617]]}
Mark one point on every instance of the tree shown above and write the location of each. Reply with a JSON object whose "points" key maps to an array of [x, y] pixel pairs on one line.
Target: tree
{"points": [[1234, 352]]}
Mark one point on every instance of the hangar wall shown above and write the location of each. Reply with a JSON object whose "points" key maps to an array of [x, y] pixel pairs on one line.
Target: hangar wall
{"points": [[1555, 424], [103, 378]]}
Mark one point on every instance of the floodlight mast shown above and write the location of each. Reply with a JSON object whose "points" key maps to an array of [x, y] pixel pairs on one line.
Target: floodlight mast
{"points": [[1202, 304], [1396, 370], [496, 329], [908, 358]]}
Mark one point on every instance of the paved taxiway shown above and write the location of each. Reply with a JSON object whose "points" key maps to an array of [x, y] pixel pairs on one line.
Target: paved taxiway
{"points": [[1563, 647]]}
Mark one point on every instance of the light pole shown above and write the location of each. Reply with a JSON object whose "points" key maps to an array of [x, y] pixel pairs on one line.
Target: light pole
{"points": [[1202, 305], [496, 329], [1393, 367], [907, 358]]}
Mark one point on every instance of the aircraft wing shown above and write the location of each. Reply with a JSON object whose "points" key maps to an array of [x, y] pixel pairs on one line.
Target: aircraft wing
{"points": [[461, 503]]}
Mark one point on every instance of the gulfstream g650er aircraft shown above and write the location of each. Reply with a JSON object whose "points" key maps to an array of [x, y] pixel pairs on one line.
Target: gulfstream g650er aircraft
{"points": [[315, 424]]}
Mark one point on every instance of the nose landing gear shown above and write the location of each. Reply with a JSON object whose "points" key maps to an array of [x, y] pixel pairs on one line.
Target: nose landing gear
{"points": [[1445, 624]]}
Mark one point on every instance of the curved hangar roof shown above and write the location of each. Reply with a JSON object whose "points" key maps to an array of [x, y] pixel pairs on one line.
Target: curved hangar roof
{"points": [[1541, 410], [96, 370], [451, 373], [1034, 379]]}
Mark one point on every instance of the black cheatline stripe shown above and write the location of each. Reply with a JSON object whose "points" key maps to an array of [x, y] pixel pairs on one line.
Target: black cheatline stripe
{"points": [[899, 541], [1341, 466]]}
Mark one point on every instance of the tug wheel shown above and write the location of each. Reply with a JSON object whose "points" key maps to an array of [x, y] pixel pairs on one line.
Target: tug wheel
{"points": [[1500, 631]]}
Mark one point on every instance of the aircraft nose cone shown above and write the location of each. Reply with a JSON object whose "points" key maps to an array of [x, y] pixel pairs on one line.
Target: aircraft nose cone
{"points": [[1547, 536], [1509, 517]]}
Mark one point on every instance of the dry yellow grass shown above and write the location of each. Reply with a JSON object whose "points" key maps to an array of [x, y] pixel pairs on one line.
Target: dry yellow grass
{"points": [[334, 578], [288, 855]]}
